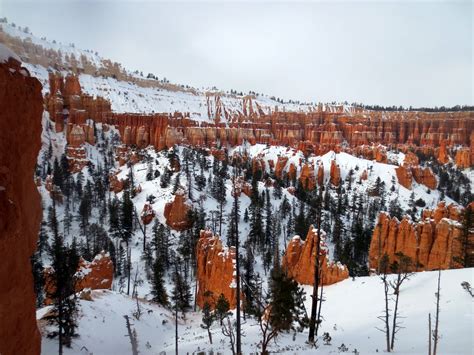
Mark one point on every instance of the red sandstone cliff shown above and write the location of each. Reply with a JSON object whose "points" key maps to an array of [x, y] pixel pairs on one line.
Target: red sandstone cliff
{"points": [[299, 261], [432, 243], [215, 270], [21, 106], [316, 132]]}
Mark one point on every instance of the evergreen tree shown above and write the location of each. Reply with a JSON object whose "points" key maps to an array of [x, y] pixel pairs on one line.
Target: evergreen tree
{"points": [[158, 284], [207, 319], [64, 266], [181, 294], [38, 278], [222, 308]]}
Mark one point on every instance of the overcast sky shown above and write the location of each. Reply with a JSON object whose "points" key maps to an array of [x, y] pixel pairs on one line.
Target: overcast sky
{"points": [[391, 53]]}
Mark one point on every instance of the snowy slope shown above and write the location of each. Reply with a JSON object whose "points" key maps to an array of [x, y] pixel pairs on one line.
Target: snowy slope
{"points": [[348, 162], [350, 316]]}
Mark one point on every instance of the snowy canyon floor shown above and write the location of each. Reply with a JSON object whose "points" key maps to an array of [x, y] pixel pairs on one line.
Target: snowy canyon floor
{"points": [[349, 312]]}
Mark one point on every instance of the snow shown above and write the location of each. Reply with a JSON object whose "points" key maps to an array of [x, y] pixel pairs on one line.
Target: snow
{"points": [[6, 53], [349, 313]]}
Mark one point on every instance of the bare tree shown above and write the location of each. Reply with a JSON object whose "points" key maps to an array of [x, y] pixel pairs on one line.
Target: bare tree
{"points": [[401, 268], [385, 317], [228, 331], [132, 334], [429, 333], [436, 329], [317, 274]]}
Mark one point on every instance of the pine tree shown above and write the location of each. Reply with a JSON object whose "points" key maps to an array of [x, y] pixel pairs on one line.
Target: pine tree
{"points": [[222, 308], [64, 266], [207, 319], [158, 285], [181, 294]]}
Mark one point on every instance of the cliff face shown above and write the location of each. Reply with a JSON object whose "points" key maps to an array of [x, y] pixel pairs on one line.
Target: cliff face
{"points": [[299, 260], [21, 106], [215, 270], [318, 131], [434, 243]]}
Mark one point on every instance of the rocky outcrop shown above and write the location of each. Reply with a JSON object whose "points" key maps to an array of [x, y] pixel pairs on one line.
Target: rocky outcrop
{"points": [[433, 243], [95, 274], [463, 158], [21, 106], [404, 176], [147, 214], [299, 260], [424, 176], [307, 177], [215, 270], [177, 212]]}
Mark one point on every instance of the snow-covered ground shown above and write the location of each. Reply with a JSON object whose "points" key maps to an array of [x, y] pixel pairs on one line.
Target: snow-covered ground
{"points": [[349, 312]]}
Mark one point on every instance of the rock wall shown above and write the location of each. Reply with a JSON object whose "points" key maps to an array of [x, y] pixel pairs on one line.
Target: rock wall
{"points": [[21, 106], [318, 131], [299, 260], [433, 243], [215, 270]]}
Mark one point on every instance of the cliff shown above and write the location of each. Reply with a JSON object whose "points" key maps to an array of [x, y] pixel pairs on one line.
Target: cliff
{"points": [[433, 243], [215, 270], [318, 131], [299, 259], [21, 106]]}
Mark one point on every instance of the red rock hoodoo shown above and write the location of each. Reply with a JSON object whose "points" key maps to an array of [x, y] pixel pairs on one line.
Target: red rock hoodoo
{"points": [[433, 243], [96, 274], [21, 105], [335, 174], [176, 212], [215, 270], [299, 261], [147, 214]]}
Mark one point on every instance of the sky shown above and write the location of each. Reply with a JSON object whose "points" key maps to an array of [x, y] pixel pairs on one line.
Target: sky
{"points": [[410, 53]]}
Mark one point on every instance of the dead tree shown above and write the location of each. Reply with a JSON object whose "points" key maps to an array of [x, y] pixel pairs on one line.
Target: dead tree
{"points": [[429, 333], [132, 334], [436, 328], [385, 317], [228, 331], [401, 268], [314, 296]]}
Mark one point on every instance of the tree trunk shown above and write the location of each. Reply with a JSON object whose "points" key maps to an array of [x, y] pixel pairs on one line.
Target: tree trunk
{"points": [[314, 301], [176, 326], [436, 330], [129, 252], [210, 335], [395, 311], [237, 269], [429, 333], [387, 316]]}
